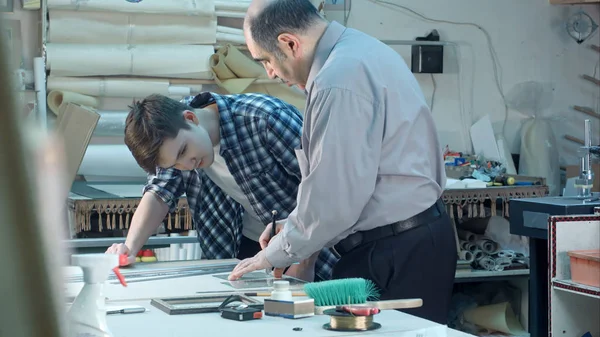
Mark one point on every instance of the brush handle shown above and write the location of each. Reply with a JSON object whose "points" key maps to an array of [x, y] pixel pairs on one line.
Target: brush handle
{"points": [[396, 304], [381, 305], [268, 294]]}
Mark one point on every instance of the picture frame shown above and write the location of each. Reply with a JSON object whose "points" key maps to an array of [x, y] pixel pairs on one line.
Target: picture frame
{"points": [[7, 6], [202, 303]]}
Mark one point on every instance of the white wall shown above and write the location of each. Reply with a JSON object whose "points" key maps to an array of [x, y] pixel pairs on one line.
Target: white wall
{"points": [[531, 44]]}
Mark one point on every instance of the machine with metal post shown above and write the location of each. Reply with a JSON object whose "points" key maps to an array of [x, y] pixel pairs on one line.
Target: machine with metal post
{"points": [[585, 182]]}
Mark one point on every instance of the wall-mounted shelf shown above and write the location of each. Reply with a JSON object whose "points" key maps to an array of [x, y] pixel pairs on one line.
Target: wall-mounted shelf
{"points": [[484, 275]]}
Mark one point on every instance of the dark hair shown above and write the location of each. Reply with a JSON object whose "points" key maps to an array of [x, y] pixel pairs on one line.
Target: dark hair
{"points": [[278, 17], [149, 122]]}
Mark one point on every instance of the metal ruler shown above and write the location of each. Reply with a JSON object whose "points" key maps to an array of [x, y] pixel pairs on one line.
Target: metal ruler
{"points": [[153, 274], [177, 275]]}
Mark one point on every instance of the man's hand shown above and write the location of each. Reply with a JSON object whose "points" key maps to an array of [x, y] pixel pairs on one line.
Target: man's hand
{"points": [[265, 237], [258, 262], [121, 249]]}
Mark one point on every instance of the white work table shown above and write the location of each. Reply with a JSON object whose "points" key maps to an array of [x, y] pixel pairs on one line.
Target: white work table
{"points": [[156, 323]]}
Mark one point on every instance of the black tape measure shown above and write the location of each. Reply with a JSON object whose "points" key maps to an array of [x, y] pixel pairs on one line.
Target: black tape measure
{"points": [[241, 313]]}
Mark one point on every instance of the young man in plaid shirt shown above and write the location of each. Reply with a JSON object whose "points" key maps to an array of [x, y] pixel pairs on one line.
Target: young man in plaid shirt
{"points": [[233, 157]]}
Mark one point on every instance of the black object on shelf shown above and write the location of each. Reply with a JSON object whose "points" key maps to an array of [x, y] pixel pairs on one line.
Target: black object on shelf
{"points": [[427, 58]]}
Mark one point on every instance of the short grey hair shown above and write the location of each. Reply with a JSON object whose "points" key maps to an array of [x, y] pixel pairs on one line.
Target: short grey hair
{"points": [[278, 17]]}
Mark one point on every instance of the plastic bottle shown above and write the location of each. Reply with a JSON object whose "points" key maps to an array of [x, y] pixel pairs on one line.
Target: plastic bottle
{"points": [[87, 315], [281, 291]]}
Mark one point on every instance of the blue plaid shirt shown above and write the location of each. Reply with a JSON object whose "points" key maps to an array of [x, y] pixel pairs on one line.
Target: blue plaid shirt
{"points": [[258, 136]]}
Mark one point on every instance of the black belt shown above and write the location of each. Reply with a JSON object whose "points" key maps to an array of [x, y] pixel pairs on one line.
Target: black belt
{"points": [[359, 238]]}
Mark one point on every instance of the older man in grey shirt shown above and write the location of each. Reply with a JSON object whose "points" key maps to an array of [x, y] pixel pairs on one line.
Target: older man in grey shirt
{"points": [[371, 162]]}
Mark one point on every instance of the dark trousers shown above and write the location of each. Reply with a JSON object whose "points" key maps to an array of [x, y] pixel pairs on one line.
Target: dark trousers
{"points": [[248, 248], [418, 263]]}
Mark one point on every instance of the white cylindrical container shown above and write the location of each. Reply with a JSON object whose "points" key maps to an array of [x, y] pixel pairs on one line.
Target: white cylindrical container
{"points": [[281, 291]]}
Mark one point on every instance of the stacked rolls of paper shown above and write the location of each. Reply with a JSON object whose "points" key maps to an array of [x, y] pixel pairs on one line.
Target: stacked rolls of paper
{"points": [[169, 61], [181, 7], [230, 35], [129, 28]]}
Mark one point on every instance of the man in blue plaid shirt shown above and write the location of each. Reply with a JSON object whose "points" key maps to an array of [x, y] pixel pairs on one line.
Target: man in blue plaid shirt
{"points": [[233, 157]]}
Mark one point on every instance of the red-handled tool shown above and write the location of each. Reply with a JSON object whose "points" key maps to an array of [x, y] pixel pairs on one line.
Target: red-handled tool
{"points": [[123, 261]]}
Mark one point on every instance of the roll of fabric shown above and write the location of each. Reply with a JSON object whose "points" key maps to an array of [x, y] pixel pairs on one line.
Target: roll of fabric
{"points": [[235, 6], [237, 73], [177, 92], [56, 98], [230, 30], [111, 124], [230, 38], [506, 254], [487, 245], [478, 254], [109, 87], [230, 14], [466, 235], [168, 61], [180, 7], [468, 246], [129, 28], [502, 262], [465, 255], [487, 263]]}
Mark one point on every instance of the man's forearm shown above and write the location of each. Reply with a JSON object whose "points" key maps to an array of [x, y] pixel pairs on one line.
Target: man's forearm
{"points": [[146, 219]]}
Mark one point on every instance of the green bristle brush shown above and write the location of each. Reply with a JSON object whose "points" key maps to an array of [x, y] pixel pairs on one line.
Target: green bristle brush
{"points": [[352, 291]]}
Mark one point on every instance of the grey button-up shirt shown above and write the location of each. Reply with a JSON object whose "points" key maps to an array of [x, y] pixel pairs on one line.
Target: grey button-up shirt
{"points": [[370, 153]]}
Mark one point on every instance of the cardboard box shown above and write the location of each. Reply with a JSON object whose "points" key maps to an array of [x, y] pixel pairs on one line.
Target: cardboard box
{"points": [[573, 171], [75, 125]]}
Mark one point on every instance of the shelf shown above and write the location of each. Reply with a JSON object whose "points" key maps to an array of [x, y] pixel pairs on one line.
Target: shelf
{"points": [[576, 288], [107, 242], [484, 275]]}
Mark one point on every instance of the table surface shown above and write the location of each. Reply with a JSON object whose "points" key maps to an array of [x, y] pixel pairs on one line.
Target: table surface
{"points": [[155, 322]]}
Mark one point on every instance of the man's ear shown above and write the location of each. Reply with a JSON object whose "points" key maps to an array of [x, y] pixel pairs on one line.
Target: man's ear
{"points": [[190, 116], [289, 44]]}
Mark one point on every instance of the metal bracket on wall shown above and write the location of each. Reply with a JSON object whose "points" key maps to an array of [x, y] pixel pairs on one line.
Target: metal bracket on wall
{"points": [[334, 5]]}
